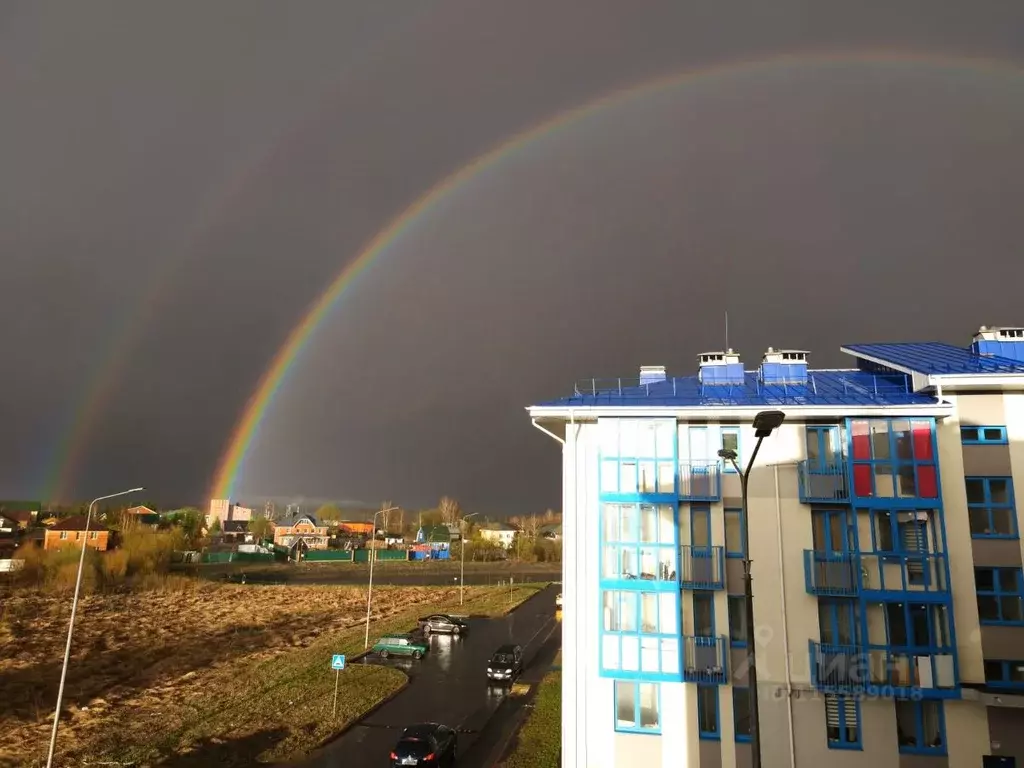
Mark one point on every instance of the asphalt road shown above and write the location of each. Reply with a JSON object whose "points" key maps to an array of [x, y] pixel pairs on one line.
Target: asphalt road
{"points": [[449, 686]]}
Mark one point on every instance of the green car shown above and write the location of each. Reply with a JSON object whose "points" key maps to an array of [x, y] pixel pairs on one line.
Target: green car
{"points": [[400, 645]]}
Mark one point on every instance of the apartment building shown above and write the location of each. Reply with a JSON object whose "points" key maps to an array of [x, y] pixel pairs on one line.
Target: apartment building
{"points": [[887, 562]]}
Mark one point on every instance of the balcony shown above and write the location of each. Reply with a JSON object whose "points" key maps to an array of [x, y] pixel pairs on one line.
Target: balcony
{"points": [[705, 659], [831, 574], [823, 481], [700, 481], [919, 574], [882, 671], [702, 567]]}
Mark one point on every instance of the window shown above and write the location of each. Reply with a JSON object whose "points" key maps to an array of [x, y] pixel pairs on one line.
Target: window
{"points": [[93, 535], [700, 526], [1005, 674], [905, 531], [704, 615], [893, 459], [837, 624], [738, 621], [639, 542], [640, 632], [735, 544], [920, 727], [707, 712], [638, 457], [920, 627], [983, 435], [741, 713], [636, 707], [990, 507], [63, 534], [730, 442], [999, 595], [842, 722]]}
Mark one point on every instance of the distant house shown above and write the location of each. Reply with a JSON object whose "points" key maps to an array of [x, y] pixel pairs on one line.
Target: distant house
{"points": [[437, 536], [142, 516], [454, 532], [356, 527], [235, 530], [551, 532], [25, 513], [393, 539], [499, 533], [9, 527], [301, 532], [225, 510], [71, 531]]}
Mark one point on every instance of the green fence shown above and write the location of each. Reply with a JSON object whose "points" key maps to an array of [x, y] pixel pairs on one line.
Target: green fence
{"points": [[236, 557], [323, 555]]}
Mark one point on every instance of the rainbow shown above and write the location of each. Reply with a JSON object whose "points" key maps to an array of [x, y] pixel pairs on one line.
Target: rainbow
{"points": [[247, 427]]}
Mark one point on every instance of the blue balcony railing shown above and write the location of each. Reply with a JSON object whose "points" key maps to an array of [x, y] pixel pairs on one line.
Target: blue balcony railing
{"points": [[875, 670], [705, 659], [700, 481], [823, 481], [701, 567], [831, 574]]}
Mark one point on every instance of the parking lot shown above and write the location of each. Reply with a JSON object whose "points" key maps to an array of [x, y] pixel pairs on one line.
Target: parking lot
{"points": [[449, 685]]}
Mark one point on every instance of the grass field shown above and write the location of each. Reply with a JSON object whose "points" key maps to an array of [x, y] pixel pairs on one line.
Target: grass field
{"points": [[202, 674], [538, 744]]}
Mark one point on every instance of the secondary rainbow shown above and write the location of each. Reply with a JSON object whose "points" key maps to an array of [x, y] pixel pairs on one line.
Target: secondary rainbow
{"points": [[247, 428]]}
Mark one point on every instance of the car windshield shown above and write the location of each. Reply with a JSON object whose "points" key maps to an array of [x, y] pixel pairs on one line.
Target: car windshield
{"points": [[502, 658], [412, 748]]}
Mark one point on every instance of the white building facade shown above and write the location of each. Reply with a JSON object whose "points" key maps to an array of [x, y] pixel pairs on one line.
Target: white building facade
{"points": [[888, 590]]}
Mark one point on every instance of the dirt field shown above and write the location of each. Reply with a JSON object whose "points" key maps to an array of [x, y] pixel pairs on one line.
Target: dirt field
{"points": [[209, 674]]}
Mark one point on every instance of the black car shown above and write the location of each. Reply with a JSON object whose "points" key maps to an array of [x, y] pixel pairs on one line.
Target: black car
{"points": [[505, 665], [443, 623], [425, 744]]}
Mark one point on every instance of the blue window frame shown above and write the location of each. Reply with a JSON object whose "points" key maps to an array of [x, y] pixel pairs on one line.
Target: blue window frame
{"points": [[735, 539], [707, 712], [894, 459], [639, 542], [638, 458], [738, 621], [831, 530], [824, 447], [741, 713], [1004, 674], [703, 614], [637, 707], [983, 435], [640, 635], [837, 621], [903, 531], [990, 507], [1000, 595], [842, 722], [731, 442], [921, 628], [920, 727]]}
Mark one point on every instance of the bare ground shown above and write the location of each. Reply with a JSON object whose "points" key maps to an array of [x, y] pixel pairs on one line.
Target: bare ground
{"points": [[203, 674]]}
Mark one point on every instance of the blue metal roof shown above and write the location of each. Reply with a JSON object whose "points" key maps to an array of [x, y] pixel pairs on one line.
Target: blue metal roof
{"points": [[935, 358], [842, 388]]}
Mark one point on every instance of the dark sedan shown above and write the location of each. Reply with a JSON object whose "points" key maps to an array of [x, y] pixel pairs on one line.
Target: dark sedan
{"points": [[505, 665], [427, 744], [443, 623]]}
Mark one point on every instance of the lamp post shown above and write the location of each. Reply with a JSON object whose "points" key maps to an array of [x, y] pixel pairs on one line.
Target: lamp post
{"points": [[369, 589], [765, 423], [462, 554], [71, 624]]}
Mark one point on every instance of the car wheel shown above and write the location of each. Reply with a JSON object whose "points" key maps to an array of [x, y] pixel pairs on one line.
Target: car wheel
{"points": [[384, 653], [416, 654], [456, 630]]}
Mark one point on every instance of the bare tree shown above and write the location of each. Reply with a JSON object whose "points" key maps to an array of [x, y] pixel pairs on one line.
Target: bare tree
{"points": [[450, 510]]}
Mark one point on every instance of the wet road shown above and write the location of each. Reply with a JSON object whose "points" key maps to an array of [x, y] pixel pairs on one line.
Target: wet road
{"points": [[449, 686]]}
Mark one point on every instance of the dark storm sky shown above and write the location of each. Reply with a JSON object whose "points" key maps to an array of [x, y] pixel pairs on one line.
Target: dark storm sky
{"points": [[216, 164]]}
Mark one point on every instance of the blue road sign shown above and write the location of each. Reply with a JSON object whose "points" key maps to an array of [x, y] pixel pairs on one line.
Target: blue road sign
{"points": [[338, 661]]}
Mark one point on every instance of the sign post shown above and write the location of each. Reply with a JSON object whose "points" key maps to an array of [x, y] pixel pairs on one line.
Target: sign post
{"points": [[337, 664]]}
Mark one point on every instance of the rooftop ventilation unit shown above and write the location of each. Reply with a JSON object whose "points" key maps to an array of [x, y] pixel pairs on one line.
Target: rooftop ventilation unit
{"points": [[1002, 342], [720, 368], [652, 374], [784, 366]]}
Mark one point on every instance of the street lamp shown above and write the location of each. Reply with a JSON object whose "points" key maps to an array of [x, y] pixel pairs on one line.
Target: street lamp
{"points": [[71, 624], [369, 590], [765, 423], [462, 554]]}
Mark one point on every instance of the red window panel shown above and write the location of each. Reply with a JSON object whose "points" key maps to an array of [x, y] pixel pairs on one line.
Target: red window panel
{"points": [[862, 480], [927, 487], [922, 441], [861, 441]]}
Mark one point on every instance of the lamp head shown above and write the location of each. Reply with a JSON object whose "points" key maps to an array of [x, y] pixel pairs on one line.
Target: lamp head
{"points": [[728, 454], [767, 422]]}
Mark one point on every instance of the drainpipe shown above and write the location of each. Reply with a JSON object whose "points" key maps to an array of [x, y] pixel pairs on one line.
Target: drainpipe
{"points": [[548, 432], [578, 586], [785, 629]]}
